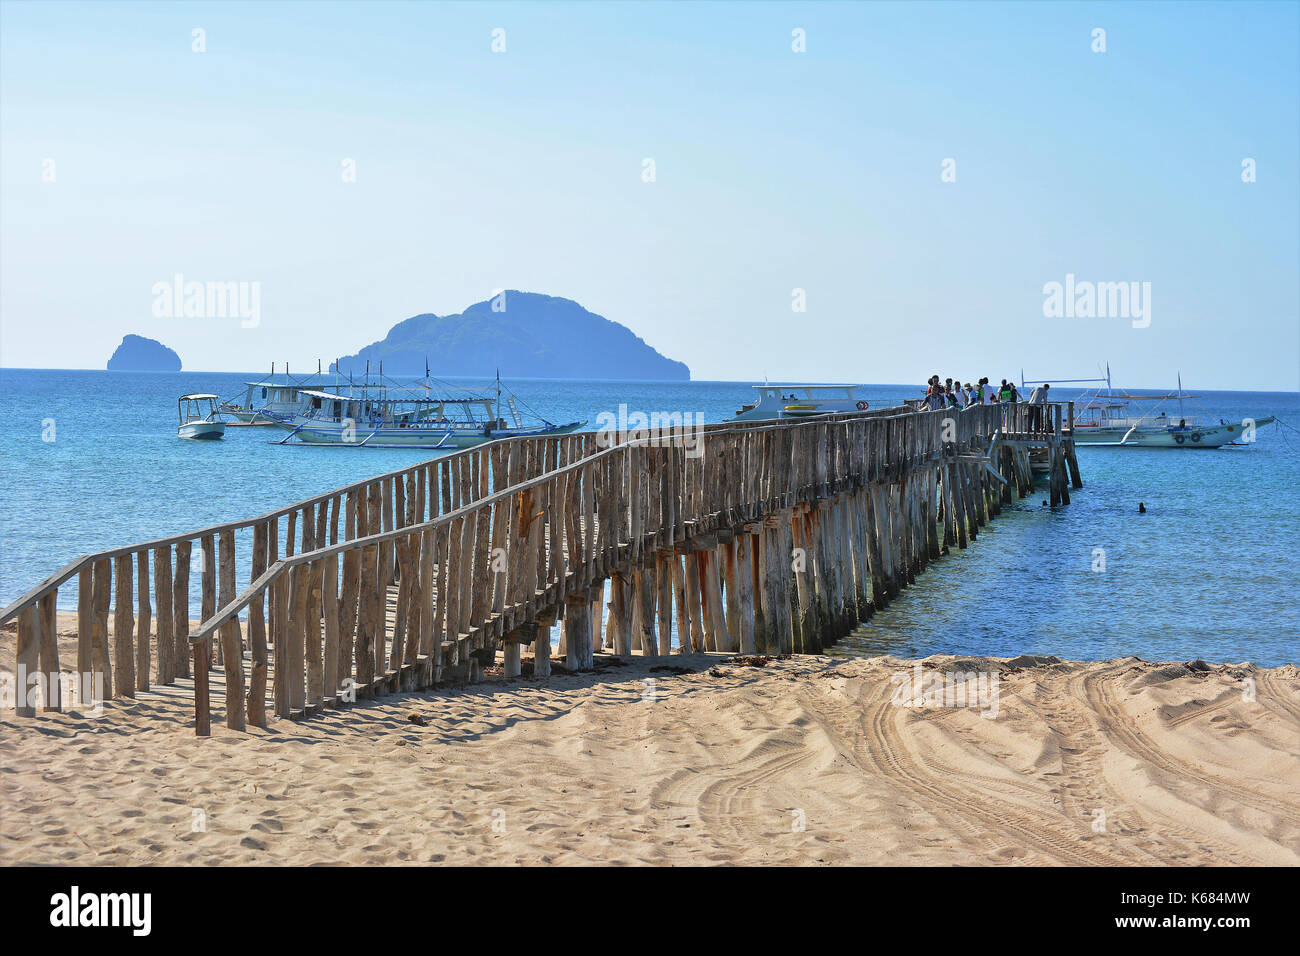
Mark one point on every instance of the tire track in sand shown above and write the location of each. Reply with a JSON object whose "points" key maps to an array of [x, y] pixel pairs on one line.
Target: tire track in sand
{"points": [[936, 787], [1100, 694], [1084, 786], [1285, 694]]}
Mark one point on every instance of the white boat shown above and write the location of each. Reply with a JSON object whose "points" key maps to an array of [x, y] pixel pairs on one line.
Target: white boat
{"points": [[1106, 417], [801, 401], [267, 397], [1187, 434], [199, 421], [402, 416]]}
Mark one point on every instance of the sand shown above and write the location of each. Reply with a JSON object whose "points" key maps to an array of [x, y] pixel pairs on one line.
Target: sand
{"points": [[803, 761]]}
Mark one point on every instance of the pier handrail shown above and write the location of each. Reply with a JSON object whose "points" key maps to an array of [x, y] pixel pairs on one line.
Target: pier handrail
{"points": [[77, 564]]}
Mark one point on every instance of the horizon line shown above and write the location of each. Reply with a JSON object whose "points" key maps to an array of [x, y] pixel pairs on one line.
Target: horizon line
{"points": [[648, 381]]}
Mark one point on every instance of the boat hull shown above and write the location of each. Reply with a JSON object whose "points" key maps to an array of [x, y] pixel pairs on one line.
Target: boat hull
{"points": [[1213, 436], [428, 437], [201, 431]]}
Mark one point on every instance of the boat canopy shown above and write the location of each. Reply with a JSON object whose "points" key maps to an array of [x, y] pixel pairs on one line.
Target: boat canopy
{"points": [[419, 400], [198, 397], [809, 387]]}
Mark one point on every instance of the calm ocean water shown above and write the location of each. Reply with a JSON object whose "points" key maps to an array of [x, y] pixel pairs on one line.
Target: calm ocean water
{"points": [[1207, 572]]}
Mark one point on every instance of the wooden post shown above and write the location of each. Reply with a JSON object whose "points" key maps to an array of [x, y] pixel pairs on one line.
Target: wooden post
{"points": [[162, 593], [226, 575], [348, 612], [144, 623], [208, 584], [728, 570], [1076, 479], [103, 664], [513, 658], [664, 583], [255, 706], [232, 653], [27, 661], [51, 672], [694, 606], [679, 602], [280, 600], [299, 609], [758, 585], [542, 653], [805, 624], [368, 613], [312, 634], [577, 631], [123, 625], [720, 636], [234, 671], [744, 582], [330, 675], [620, 614], [181, 650], [643, 611], [202, 705], [85, 632]]}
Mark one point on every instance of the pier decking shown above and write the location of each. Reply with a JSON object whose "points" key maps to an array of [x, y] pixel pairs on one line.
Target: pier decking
{"points": [[770, 537]]}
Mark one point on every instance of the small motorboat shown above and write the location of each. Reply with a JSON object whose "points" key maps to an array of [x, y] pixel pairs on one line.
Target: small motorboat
{"points": [[801, 401], [199, 421]]}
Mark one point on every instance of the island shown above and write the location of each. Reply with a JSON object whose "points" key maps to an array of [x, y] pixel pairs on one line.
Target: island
{"points": [[138, 354], [521, 334]]}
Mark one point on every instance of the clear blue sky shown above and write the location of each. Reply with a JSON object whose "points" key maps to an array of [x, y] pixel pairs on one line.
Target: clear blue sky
{"points": [[775, 170]]}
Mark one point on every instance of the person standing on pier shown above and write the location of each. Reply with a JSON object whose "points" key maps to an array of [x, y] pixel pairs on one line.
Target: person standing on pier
{"points": [[1037, 399]]}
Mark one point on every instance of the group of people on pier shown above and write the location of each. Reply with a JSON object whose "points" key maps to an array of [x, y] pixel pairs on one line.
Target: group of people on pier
{"points": [[949, 394]]}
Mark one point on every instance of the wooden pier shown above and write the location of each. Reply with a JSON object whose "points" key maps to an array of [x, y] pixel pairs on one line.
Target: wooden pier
{"points": [[767, 537]]}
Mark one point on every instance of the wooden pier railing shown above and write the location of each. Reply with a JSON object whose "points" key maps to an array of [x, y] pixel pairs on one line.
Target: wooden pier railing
{"points": [[761, 537], [116, 583]]}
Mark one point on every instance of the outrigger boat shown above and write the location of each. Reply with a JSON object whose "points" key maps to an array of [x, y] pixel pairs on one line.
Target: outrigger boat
{"points": [[801, 401], [195, 422], [1107, 418], [265, 397], [387, 415]]}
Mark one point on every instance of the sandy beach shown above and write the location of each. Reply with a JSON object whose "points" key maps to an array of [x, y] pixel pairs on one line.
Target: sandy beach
{"points": [[689, 760]]}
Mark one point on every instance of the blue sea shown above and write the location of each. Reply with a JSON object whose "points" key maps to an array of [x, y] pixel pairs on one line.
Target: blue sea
{"points": [[1207, 572]]}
